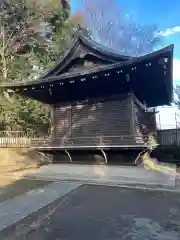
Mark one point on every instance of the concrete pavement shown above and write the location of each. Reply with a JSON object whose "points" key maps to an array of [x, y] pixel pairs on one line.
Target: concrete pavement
{"points": [[101, 213], [121, 175], [13, 210]]}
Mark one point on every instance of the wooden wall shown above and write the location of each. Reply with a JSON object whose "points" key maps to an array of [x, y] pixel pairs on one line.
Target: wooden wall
{"points": [[94, 119], [114, 120], [144, 121]]}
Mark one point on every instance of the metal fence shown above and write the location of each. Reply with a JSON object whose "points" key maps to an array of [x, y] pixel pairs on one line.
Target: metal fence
{"points": [[168, 118], [169, 137], [168, 124]]}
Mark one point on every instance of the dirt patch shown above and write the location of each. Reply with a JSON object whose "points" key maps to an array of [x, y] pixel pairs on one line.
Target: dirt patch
{"points": [[15, 163]]}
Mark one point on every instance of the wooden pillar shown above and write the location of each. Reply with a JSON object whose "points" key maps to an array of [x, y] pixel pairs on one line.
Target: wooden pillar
{"points": [[53, 123], [131, 114]]}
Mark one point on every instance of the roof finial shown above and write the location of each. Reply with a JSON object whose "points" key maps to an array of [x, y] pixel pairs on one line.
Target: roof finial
{"points": [[78, 31], [79, 27], [83, 31]]}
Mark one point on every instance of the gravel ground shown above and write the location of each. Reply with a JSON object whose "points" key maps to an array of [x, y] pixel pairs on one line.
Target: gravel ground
{"points": [[104, 213]]}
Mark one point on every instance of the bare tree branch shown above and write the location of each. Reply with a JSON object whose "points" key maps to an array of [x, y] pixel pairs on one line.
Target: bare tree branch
{"points": [[110, 26]]}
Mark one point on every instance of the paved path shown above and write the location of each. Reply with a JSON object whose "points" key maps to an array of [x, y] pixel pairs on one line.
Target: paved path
{"points": [[104, 213], [121, 175], [13, 210]]}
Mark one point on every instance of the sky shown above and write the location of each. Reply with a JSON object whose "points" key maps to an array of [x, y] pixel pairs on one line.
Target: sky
{"points": [[166, 15]]}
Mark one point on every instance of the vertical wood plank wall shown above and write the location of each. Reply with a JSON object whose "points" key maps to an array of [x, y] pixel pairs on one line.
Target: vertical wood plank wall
{"points": [[137, 112], [144, 121], [87, 120], [118, 119]]}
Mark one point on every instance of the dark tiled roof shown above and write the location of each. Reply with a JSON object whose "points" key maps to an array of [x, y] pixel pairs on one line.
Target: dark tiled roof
{"points": [[94, 70]]}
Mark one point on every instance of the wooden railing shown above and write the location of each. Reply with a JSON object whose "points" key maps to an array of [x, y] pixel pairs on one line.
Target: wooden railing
{"points": [[17, 139], [21, 140]]}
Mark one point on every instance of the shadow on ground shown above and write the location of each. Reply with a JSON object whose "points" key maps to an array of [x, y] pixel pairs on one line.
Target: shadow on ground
{"points": [[20, 187]]}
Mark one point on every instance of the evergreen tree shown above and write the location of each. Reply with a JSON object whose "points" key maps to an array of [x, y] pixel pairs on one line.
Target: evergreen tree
{"points": [[26, 51]]}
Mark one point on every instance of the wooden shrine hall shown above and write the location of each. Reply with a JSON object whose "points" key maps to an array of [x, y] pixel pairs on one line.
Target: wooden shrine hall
{"points": [[101, 99]]}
